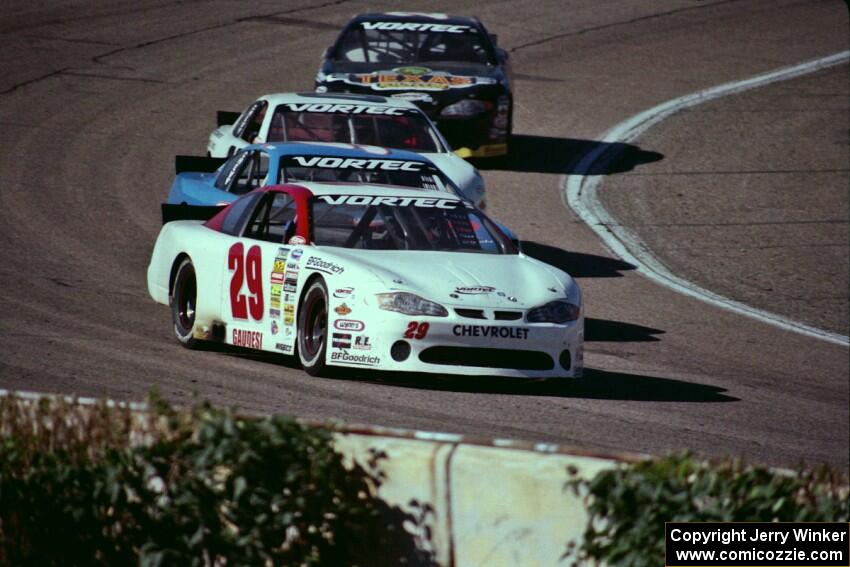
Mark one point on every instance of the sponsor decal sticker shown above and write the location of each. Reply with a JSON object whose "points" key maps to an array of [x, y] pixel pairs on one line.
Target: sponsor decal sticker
{"points": [[425, 202], [283, 348], [342, 310], [416, 330], [412, 70], [354, 163], [324, 107], [349, 325], [297, 253], [475, 290], [297, 240], [249, 339], [275, 328], [415, 97], [341, 340], [326, 266], [488, 331], [392, 80], [288, 314], [344, 292], [359, 359], [417, 26], [362, 342]]}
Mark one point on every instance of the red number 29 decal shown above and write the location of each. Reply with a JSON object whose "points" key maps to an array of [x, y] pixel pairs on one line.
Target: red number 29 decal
{"points": [[416, 330], [248, 268]]}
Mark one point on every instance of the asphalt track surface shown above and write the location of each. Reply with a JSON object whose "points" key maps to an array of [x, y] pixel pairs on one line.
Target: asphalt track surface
{"points": [[96, 99]]}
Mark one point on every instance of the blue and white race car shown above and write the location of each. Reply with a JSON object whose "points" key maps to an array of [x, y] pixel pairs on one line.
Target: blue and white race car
{"points": [[215, 181]]}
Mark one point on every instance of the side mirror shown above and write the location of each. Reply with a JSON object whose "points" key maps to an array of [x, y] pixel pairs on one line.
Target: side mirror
{"points": [[502, 54]]}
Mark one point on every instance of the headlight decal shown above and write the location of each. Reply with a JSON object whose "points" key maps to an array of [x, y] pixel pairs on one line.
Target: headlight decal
{"points": [[559, 311], [409, 304]]}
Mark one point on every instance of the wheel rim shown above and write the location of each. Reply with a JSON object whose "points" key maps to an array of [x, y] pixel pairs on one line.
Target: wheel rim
{"points": [[186, 295], [315, 324]]}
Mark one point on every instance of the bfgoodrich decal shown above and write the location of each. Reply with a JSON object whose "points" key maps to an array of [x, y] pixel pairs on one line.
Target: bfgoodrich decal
{"points": [[328, 267], [361, 359]]}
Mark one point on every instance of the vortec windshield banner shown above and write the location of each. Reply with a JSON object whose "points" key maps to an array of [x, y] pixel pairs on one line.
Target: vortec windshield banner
{"points": [[347, 108], [414, 26], [353, 163], [392, 201]]}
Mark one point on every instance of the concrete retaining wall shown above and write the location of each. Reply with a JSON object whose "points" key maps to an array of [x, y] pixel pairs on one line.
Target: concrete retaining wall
{"points": [[492, 505]]}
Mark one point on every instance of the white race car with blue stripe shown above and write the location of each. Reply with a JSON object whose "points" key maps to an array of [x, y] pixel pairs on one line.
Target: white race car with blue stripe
{"points": [[371, 120]]}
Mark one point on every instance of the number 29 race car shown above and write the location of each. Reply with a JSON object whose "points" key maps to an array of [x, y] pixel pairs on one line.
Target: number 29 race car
{"points": [[368, 276]]}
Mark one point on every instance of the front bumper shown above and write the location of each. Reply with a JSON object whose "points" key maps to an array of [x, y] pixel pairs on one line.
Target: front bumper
{"points": [[461, 345]]}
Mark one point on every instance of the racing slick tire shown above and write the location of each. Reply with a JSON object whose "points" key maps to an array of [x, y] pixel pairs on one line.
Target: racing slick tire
{"points": [[183, 300], [313, 328]]}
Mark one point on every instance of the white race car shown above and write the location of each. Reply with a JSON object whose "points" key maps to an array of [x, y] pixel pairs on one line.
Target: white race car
{"points": [[368, 276], [347, 118]]}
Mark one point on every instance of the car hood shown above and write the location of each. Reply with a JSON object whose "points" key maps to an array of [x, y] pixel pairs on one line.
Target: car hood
{"points": [[472, 280]]}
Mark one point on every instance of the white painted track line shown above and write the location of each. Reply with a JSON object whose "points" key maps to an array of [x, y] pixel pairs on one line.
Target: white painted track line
{"points": [[581, 193]]}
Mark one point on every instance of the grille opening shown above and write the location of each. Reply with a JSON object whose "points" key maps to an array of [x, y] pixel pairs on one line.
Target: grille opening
{"points": [[508, 315], [488, 358], [471, 313]]}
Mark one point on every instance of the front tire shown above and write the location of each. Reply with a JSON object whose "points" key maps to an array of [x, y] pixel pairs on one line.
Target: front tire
{"points": [[183, 300], [313, 328]]}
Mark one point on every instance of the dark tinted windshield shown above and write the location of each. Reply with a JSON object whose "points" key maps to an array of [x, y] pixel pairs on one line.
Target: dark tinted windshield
{"points": [[404, 223], [398, 128], [405, 43]]}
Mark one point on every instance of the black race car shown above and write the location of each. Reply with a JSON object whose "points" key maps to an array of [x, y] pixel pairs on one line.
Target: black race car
{"points": [[448, 66]]}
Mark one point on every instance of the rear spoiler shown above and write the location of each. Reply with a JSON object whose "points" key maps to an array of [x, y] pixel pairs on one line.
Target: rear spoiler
{"points": [[197, 164], [188, 212], [225, 118]]}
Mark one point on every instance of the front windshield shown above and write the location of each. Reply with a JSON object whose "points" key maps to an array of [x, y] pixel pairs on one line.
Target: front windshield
{"points": [[413, 174], [405, 43], [404, 223], [388, 127]]}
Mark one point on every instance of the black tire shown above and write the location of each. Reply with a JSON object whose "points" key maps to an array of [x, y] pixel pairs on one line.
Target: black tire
{"points": [[183, 300], [230, 151], [313, 328]]}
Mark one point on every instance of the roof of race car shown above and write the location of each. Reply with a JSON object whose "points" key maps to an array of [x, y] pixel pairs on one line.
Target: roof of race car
{"points": [[336, 98], [337, 150], [430, 17], [322, 188]]}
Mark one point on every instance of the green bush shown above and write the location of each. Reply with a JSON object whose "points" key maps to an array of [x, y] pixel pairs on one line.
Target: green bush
{"points": [[628, 505], [104, 486]]}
